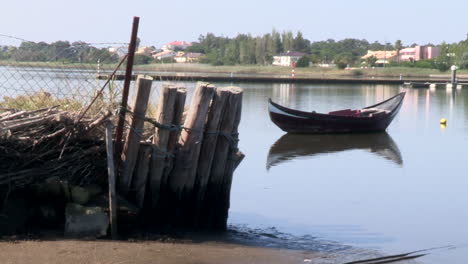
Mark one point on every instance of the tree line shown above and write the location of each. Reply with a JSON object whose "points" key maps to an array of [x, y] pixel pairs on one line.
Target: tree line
{"points": [[59, 51], [246, 49]]}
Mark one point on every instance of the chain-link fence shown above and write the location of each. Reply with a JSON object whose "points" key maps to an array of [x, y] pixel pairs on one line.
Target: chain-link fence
{"points": [[37, 74]]}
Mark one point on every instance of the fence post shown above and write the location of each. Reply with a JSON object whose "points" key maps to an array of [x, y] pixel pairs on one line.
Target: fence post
{"points": [[128, 79], [132, 141], [111, 177]]}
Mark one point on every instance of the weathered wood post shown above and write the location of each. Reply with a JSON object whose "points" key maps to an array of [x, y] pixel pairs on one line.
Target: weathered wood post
{"points": [[140, 178], [132, 141], [179, 108], [164, 116], [235, 157], [182, 178], [227, 142], [111, 179], [207, 151]]}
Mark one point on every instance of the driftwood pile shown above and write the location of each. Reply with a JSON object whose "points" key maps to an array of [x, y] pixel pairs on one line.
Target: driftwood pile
{"points": [[46, 143]]}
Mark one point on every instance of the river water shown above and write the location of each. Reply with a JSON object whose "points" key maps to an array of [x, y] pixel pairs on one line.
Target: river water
{"points": [[394, 192]]}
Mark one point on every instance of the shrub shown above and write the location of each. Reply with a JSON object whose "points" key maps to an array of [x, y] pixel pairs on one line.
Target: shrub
{"points": [[142, 59], [356, 73], [303, 62], [341, 65]]}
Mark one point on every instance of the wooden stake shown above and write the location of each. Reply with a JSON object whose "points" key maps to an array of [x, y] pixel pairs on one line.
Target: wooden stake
{"points": [[164, 115], [111, 175], [207, 152], [179, 108], [235, 157], [132, 141], [225, 144], [183, 176], [141, 173]]}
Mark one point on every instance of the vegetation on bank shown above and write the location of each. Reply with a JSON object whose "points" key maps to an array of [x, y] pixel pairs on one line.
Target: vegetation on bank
{"points": [[244, 49], [392, 72], [59, 51]]}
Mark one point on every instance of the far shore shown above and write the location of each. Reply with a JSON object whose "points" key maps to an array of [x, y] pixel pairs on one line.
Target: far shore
{"points": [[257, 73]]}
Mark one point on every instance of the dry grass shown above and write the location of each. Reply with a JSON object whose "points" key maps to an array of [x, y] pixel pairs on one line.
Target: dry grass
{"points": [[43, 99], [275, 70], [39, 100]]}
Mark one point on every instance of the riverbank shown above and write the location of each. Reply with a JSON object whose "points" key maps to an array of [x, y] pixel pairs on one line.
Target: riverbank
{"points": [[272, 74], [78, 252], [249, 73], [143, 252]]}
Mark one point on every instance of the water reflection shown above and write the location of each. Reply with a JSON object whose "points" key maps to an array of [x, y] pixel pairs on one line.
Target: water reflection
{"points": [[291, 146]]}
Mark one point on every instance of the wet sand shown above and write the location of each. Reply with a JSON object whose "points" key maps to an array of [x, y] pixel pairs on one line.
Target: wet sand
{"points": [[144, 252], [77, 252]]}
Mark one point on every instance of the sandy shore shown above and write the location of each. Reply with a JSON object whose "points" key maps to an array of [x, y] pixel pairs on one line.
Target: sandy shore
{"points": [[100, 252], [147, 252]]}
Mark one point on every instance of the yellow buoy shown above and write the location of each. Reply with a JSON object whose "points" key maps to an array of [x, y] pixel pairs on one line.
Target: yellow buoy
{"points": [[443, 121]]}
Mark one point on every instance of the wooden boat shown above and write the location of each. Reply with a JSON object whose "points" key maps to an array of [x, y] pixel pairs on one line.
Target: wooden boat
{"points": [[297, 146], [373, 118]]}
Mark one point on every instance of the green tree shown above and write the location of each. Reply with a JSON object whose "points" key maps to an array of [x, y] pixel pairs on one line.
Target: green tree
{"points": [[303, 62], [398, 47], [370, 61], [300, 44], [142, 59], [287, 38]]}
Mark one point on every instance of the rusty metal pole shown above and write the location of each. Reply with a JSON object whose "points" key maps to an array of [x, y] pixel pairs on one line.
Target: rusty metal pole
{"points": [[128, 79]]}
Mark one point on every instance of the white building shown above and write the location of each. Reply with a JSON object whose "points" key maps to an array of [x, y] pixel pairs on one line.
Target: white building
{"points": [[187, 57], [287, 58], [180, 45], [164, 55]]}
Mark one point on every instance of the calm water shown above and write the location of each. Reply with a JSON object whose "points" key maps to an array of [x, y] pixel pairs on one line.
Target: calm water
{"points": [[395, 192]]}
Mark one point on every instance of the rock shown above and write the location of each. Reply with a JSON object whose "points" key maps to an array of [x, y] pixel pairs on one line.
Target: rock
{"points": [[66, 191], [127, 213], [47, 214], [79, 195], [93, 189], [50, 189], [82, 221]]}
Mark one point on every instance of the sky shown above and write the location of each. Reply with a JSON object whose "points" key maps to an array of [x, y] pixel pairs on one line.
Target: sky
{"points": [[99, 21]]}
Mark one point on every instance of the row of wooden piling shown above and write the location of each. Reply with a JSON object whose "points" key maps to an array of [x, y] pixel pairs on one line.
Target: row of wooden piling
{"points": [[181, 172]]}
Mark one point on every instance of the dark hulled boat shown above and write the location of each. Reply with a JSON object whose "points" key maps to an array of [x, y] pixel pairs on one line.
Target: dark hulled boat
{"points": [[373, 118], [291, 146]]}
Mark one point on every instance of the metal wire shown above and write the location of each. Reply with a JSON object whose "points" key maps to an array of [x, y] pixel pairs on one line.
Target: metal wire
{"points": [[36, 75]]}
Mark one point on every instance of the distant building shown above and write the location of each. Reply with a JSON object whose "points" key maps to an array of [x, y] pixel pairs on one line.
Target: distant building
{"points": [[407, 54], [164, 55], [179, 45], [382, 56], [120, 51], [147, 51], [287, 58], [419, 53], [187, 57]]}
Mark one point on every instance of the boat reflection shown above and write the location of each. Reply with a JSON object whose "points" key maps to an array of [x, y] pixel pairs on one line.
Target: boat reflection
{"points": [[291, 146]]}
